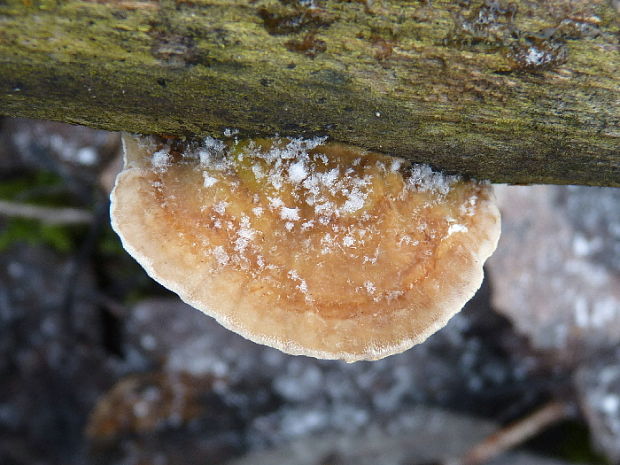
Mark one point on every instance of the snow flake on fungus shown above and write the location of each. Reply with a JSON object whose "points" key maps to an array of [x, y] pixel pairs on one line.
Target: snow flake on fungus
{"points": [[208, 179], [160, 159]]}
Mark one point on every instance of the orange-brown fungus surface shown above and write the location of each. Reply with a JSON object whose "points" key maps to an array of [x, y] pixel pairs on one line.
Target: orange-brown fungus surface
{"points": [[313, 248]]}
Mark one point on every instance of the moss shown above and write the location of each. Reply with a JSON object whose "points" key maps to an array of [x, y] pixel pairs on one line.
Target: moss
{"points": [[18, 230], [34, 188]]}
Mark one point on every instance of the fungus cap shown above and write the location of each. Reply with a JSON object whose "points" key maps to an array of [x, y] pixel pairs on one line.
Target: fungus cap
{"points": [[314, 248]]}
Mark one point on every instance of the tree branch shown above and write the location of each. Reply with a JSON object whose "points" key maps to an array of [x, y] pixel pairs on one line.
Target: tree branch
{"points": [[517, 92]]}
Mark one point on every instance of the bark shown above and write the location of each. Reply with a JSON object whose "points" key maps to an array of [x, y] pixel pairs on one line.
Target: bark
{"points": [[523, 92]]}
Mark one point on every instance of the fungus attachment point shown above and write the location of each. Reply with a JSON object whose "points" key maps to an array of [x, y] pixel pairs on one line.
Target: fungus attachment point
{"points": [[313, 248]]}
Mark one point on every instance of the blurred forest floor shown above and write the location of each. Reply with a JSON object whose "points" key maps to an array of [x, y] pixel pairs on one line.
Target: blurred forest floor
{"points": [[99, 364]]}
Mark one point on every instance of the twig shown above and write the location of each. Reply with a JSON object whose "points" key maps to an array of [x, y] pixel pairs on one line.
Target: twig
{"points": [[514, 434], [48, 215]]}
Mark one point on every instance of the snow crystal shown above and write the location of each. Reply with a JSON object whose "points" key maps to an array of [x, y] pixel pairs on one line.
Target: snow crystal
{"points": [[354, 202], [396, 164], [454, 228], [275, 202], [534, 56], [469, 208], [258, 172], [370, 287], [220, 207], [160, 159], [211, 154], [298, 172], [213, 145], [220, 255], [228, 132], [208, 179], [324, 208], [245, 234], [423, 178], [329, 179], [372, 260], [302, 286], [289, 213]]}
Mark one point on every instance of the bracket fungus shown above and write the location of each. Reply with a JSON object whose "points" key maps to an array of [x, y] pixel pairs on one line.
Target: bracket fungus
{"points": [[314, 248]]}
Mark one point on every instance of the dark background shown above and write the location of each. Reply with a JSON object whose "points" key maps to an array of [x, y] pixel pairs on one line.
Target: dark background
{"points": [[99, 364]]}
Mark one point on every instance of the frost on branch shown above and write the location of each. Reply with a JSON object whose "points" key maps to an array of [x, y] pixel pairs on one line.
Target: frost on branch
{"points": [[312, 247]]}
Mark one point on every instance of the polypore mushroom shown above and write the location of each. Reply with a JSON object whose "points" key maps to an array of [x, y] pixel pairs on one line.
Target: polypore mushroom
{"points": [[313, 248]]}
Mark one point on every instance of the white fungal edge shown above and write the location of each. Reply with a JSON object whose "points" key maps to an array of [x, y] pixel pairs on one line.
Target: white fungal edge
{"points": [[485, 250]]}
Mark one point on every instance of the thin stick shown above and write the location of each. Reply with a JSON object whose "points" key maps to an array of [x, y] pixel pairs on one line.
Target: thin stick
{"points": [[514, 434], [48, 215]]}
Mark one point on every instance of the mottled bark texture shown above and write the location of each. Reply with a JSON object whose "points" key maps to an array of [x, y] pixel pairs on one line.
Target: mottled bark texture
{"points": [[521, 92]]}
